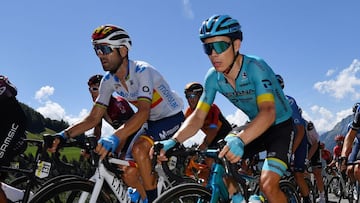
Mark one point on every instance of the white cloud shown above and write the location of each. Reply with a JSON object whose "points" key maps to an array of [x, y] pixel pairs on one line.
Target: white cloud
{"points": [[324, 119], [344, 84], [330, 72], [197, 138], [52, 110], [239, 118], [44, 92], [187, 9], [55, 111]]}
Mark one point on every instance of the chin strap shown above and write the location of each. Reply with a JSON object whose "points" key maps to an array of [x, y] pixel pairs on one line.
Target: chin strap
{"points": [[227, 71]]}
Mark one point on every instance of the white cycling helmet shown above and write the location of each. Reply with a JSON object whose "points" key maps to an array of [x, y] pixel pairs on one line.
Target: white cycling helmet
{"points": [[111, 34]]}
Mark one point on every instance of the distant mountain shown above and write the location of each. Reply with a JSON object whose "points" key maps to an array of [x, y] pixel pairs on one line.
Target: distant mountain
{"points": [[339, 128]]}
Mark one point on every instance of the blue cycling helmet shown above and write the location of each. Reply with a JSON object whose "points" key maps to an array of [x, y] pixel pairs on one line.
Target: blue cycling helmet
{"points": [[220, 25]]}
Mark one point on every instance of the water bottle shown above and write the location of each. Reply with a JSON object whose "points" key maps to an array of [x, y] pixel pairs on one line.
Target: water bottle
{"points": [[256, 199], [134, 194], [238, 198]]}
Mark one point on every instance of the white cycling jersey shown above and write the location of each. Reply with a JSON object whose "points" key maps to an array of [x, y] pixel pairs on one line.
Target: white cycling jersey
{"points": [[143, 82], [313, 136]]}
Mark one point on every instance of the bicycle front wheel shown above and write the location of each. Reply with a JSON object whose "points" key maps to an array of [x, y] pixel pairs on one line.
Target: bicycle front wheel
{"points": [[69, 191], [186, 192], [312, 190], [290, 191], [333, 188]]}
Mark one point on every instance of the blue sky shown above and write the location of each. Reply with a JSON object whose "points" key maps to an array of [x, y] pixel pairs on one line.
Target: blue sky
{"points": [[46, 49]]}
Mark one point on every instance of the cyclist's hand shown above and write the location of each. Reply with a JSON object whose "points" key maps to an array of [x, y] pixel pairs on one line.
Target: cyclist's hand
{"points": [[59, 139], [167, 144], [234, 148], [342, 163], [107, 144]]}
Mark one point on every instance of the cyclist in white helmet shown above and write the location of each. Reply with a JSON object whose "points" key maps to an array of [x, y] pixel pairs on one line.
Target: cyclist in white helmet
{"points": [[143, 86], [350, 147]]}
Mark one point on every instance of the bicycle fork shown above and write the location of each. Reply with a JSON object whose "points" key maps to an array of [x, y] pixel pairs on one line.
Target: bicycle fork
{"points": [[216, 184]]}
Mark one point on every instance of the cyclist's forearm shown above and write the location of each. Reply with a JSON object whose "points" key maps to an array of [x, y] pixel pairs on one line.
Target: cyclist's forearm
{"points": [[349, 138], [300, 133], [191, 126], [132, 125], [312, 150]]}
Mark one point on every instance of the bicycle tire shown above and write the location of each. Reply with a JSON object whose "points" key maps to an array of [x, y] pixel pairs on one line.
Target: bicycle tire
{"points": [[186, 192], [290, 191], [350, 194], [68, 191], [330, 189], [22, 181], [356, 191], [312, 191]]}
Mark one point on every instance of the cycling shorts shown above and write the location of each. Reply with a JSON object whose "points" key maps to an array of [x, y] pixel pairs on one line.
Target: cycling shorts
{"points": [[277, 142], [157, 130], [316, 158], [300, 156], [165, 128]]}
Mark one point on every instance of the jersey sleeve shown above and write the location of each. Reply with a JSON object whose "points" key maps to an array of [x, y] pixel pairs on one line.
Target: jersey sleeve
{"points": [[210, 89], [261, 74], [146, 84], [106, 89], [295, 111]]}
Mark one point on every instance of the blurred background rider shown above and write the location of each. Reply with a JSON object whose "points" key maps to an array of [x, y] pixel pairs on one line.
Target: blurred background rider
{"points": [[12, 128]]}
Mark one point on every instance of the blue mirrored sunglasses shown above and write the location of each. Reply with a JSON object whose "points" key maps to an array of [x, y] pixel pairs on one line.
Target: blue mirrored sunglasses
{"points": [[219, 47], [190, 96], [104, 49]]}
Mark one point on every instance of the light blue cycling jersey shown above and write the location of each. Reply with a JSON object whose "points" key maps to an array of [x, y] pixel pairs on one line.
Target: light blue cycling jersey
{"points": [[255, 83]]}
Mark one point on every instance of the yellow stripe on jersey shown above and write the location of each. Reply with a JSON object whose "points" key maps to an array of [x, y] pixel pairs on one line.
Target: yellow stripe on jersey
{"points": [[265, 97], [156, 99], [203, 106], [100, 105], [144, 99]]}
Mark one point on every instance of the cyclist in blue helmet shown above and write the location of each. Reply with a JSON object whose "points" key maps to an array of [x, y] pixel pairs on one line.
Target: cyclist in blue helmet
{"points": [[350, 147], [251, 85]]}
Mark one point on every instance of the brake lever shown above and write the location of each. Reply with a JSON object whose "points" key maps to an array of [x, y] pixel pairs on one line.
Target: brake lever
{"points": [[157, 148]]}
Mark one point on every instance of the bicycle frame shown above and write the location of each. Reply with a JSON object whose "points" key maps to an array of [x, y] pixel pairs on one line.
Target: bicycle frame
{"points": [[117, 185], [29, 173], [216, 184]]}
